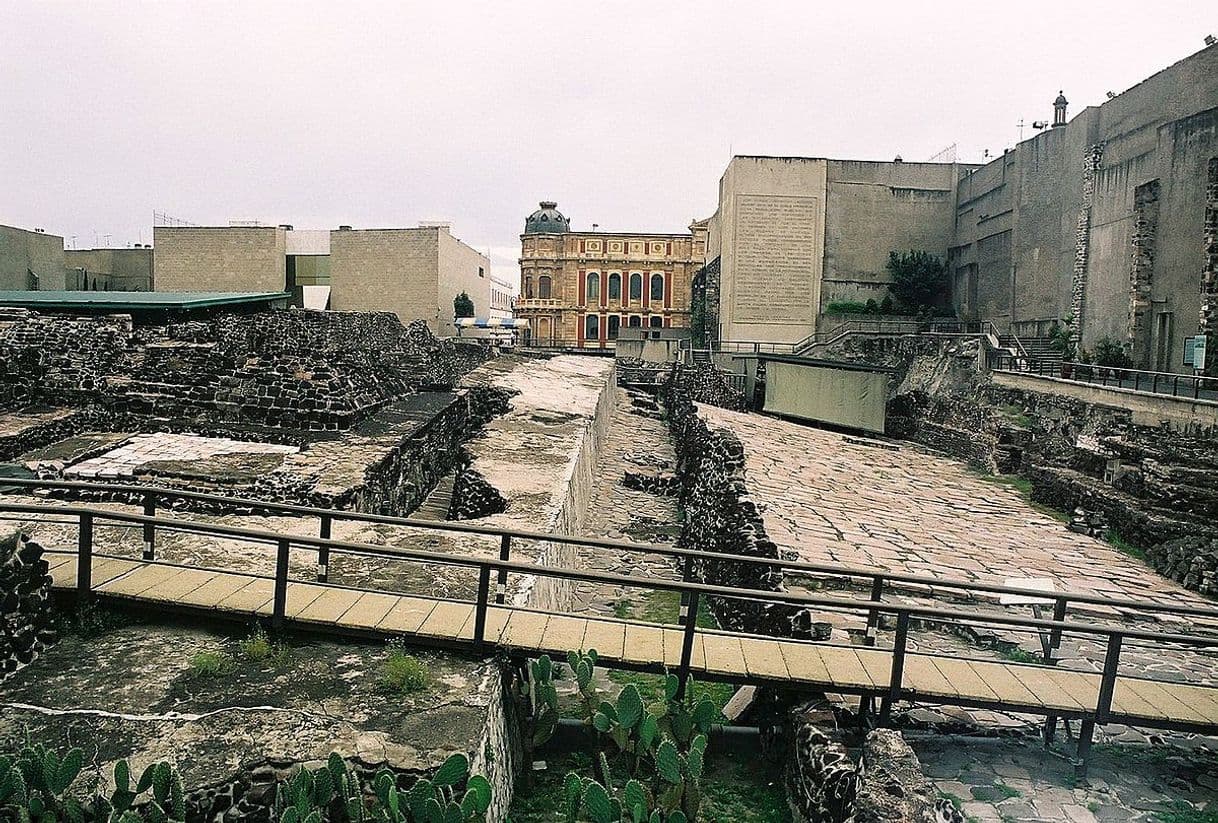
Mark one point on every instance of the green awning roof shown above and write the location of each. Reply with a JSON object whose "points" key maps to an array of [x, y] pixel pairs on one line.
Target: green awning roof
{"points": [[133, 300]]}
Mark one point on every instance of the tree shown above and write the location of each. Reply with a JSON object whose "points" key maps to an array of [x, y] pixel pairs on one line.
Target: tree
{"points": [[463, 306], [919, 279]]}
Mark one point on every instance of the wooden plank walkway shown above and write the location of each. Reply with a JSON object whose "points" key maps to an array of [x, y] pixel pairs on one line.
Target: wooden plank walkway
{"points": [[1041, 690]]}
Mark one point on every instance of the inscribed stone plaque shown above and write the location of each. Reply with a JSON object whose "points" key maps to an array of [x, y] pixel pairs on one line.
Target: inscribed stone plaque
{"points": [[777, 245]]}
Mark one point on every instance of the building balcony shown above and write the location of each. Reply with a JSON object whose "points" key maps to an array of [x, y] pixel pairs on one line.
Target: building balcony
{"points": [[537, 303]]}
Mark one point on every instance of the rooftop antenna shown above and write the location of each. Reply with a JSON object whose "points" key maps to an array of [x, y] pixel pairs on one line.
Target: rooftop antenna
{"points": [[947, 155]]}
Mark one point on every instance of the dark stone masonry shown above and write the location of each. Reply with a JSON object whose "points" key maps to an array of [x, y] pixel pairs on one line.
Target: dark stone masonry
{"points": [[299, 369], [719, 515], [26, 626]]}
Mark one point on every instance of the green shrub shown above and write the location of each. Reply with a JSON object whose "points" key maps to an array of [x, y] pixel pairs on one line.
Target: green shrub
{"points": [[1109, 352], [838, 307], [919, 279], [212, 664], [402, 672]]}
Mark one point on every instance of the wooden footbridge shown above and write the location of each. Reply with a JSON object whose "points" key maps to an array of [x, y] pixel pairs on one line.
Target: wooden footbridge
{"points": [[488, 623]]}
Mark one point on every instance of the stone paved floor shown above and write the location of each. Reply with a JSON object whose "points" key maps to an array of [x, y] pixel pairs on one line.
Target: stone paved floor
{"points": [[999, 779], [826, 497], [634, 440], [829, 497]]}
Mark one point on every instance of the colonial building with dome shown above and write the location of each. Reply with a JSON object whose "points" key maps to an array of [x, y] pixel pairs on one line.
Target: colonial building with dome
{"points": [[579, 289]]}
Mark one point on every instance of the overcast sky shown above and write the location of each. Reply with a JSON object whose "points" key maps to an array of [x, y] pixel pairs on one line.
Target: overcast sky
{"points": [[626, 113]]}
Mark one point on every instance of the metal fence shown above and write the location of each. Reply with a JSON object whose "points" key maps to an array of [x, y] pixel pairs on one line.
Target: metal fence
{"points": [[1195, 386]]}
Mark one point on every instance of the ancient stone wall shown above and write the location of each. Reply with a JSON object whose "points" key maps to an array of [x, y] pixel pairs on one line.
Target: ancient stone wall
{"points": [[886, 783], [720, 516], [1208, 320], [25, 607], [1141, 269], [297, 369]]}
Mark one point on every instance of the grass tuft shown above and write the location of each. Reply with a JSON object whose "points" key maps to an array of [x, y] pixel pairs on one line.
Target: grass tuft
{"points": [[402, 672], [212, 664], [259, 648], [1124, 546]]}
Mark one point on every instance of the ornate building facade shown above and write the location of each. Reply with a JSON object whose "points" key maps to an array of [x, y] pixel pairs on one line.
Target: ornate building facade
{"points": [[578, 289]]}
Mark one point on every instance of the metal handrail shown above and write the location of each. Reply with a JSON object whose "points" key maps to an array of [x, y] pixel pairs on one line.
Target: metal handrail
{"points": [[689, 589], [150, 494], [1143, 379], [630, 581]]}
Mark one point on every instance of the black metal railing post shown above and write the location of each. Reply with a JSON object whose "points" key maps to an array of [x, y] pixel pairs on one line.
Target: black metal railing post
{"points": [[898, 667], [149, 528], [484, 597], [279, 614], [873, 615], [1175, 386], [323, 551], [84, 555], [1196, 388], [1154, 384], [1112, 659], [687, 643], [1059, 614], [505, 552]]}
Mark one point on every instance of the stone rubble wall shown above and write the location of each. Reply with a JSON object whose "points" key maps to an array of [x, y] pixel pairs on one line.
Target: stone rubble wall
{"points": [[249, 795], [1207, 319], [885, 785], [26, 625], [298, 369], [720, 516]]}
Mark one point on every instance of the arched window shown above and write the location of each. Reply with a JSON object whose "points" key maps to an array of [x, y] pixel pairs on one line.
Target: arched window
{"points": [[615, 286], [592, 327], [657, 288], [636, 287], [657, 322], [528, 288], [635, 321], [615, 323], [543, 287], [593, 293]]}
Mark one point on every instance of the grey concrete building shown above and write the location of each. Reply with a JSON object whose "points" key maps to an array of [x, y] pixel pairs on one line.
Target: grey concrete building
{"points": [[109, 269], [415, 273], [31, 260], [793, 235], [1109, 220], [1106, 219]]}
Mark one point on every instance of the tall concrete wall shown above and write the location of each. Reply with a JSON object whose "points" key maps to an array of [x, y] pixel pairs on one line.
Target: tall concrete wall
{"points": [[109, 269], [770, 234], [392, 269], [874, 209], [460, 269], [1104, 219], [414, 273], [236, 259], [22, 252]]}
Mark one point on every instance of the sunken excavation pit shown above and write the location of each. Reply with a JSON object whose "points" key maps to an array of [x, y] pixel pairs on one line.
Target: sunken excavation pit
{"points": [[346, 411], [355, 412]]}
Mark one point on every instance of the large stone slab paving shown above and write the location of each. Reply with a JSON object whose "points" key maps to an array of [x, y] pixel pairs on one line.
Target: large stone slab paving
{"points": [[828, 497]]}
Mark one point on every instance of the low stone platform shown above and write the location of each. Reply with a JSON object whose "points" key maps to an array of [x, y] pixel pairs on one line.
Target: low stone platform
{"points": [[136, 690]]}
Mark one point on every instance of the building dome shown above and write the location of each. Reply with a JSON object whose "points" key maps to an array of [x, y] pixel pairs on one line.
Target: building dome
{"points": [[1061, 99], [547, 220]]}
